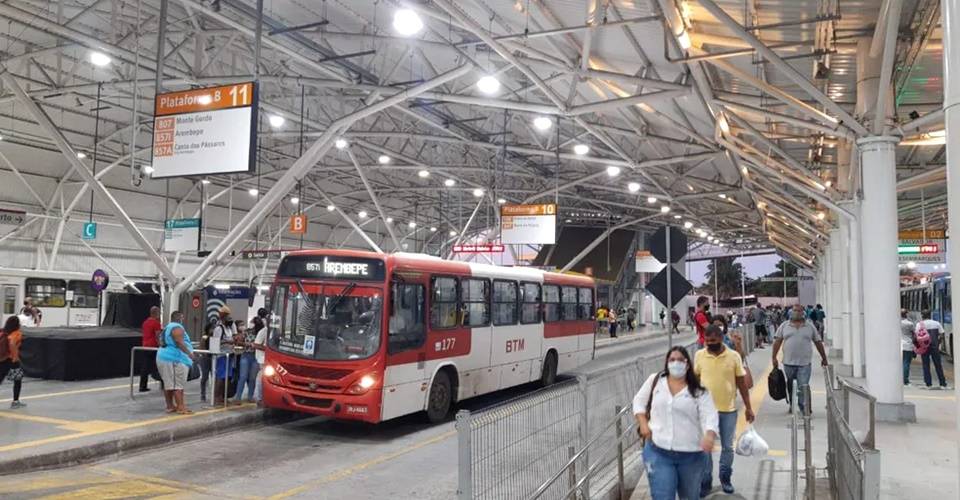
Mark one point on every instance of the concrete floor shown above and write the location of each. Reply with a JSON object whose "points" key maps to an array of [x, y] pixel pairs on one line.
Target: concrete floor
{"points": [[311, 458]]}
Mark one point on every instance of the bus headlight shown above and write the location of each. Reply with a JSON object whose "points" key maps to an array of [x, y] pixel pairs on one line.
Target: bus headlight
{"points": [[363, 385], [269, 371]]}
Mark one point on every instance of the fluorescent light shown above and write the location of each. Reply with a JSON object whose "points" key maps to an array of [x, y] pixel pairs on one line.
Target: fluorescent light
{"points": [[821, 215], [295, 200], [81, 155], [488, 84], [581, 149], [148, 169], [501, 201], [406, 22], [205, 182], [613, 171], [433, 229], [411, 224], [340, 143], [276, 121], [253, 191], [722, 196], [684, 40], [221, 286], [651, 200], [423, 174], [331, 208], [449, 183], [452, 233], [362, 214], [633, 187], [937, 133], [542, 123], [99, 59], [678, 216], [478, 192], [205, 99], [389, 220], [383, 160], [665, 209], [687, 225]]}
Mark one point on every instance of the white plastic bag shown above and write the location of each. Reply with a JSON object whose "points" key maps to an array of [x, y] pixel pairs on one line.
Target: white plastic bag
{"points": [[751, 444]]}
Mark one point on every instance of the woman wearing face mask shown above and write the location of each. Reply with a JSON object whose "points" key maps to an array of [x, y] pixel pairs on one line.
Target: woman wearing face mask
{"points": [[677, 418]]}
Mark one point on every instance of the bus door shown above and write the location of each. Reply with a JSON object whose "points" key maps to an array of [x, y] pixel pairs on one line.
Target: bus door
{"points": [[405, 374], [11, 299]]}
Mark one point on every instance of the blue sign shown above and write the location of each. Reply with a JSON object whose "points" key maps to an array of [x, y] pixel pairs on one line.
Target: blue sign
{"points": [[89, 231], [234, 292], [100, 280]]}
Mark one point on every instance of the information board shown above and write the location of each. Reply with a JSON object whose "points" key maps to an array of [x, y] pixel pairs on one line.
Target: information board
{"points": [[11, 219], [205, 131], [528, 224], [647, 263], [922, 251], [181, 235]]}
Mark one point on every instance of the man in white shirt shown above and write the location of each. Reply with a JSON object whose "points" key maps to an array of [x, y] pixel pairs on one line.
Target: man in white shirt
{"points": [[933, 329], [906, 344], [797, 336], [221, 340]]}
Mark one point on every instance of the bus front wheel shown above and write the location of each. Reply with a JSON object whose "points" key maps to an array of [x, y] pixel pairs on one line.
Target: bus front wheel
{"points": [[549, 374], [438, 404]]}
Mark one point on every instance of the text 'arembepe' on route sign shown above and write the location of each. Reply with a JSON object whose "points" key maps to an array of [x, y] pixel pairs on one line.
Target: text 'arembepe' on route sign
{"points": [[206, 131]]}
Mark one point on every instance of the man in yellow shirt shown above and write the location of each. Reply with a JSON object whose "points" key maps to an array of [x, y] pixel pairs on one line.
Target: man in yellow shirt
{"points": [[721, 371]]}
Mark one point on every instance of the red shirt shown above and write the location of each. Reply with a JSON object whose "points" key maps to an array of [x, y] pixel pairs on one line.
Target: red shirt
{"points": [[150, 328], [701, 322]]}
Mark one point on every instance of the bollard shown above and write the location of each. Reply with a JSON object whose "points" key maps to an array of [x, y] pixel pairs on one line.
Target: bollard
{"points": [[619, 431], [807, 444]]}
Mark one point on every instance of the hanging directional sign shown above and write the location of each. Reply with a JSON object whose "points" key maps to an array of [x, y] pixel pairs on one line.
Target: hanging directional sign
{"points": [[298, 224], [678, 244], [89, 231], [11, 219], [679, 287]]}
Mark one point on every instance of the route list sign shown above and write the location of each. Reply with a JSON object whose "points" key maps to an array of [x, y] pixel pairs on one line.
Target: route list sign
{"points": [[205, 131], [528, 224]]}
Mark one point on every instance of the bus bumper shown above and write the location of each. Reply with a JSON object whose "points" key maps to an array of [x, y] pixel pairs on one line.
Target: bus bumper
{"points": [[364, 407]]}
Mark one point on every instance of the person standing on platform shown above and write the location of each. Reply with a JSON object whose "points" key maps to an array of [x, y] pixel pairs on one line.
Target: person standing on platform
{"points": [[721, 371], [677, 419], [701, 320], [933, 330], [631, 319], [151, 329], [249, 365], [174, 360], [10, 339], [663, 315], [760, 326], [907, 339], [221, 341], [612, 322], [797, 337], [675, 316]]}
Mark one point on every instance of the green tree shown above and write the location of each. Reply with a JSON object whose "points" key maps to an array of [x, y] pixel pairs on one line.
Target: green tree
{"points": [[728, 273], [774, 288]]}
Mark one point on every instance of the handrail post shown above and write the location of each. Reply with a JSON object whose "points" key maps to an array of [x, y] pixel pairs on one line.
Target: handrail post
{"points": [[807, 442], [794, 421], [619, 431], [583, 386], [571, 451], [464, 456], [133, 352]]}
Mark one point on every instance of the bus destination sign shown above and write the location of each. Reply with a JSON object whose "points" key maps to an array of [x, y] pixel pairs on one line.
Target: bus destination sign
{"points": [[332, 267]]}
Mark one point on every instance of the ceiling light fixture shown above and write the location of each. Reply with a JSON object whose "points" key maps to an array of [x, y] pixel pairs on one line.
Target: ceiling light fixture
{"points": [[478, 192], [687, 225], [383, 160], [362, 214], [99, 59], [613, 171], [821, 215], [411, 224], [452, 233], [423, 174], [389, 220], [581, 149], [665, 209], [81, 155], [294, 200], [501, 201], [406, 22], [276, 121], [205, 182], [488, 85], [340, 143], [433, 229], [633, 187], [253, 191], [331, 208], [148, 169], [542, 123], [449, 183], [651, 200]]}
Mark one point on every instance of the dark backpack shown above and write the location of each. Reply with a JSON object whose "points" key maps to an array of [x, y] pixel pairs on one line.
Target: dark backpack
{"points": [[4, 346], [777, 385]]}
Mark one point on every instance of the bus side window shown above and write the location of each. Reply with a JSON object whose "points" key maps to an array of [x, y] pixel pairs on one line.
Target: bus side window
{"points": [[443, 302], [407, 327], [530, 310], [585, 308]]}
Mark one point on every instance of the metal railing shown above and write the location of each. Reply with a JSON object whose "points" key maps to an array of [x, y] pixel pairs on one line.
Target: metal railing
{"points": [[213, 355], [809, 472], [581, 430], [853, 464]]}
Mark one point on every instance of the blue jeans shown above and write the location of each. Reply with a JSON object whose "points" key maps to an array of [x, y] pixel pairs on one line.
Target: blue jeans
{"points": [[799, 374], [672, 473], [907, 359], [248, 375], [728, 430], [933, 353]]}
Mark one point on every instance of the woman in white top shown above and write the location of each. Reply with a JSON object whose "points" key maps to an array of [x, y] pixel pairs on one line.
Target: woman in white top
{"points": [[679, 421]]}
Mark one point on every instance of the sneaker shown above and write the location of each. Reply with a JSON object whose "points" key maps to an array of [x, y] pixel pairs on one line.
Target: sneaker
{"points": [[17, 404], [144, 389], [935, 387], [907, 384], [945, 387], [727, 488], [925, 387]]}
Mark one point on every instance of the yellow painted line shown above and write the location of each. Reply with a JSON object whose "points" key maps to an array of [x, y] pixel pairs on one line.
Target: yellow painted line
{"points": [[115, 490], [353, 469], [195, 488], [757, 396], [35, 418], [48, 483], [70, 393]]}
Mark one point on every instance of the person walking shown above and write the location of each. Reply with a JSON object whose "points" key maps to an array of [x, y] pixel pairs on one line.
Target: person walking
{"points": [[907, 339], [677, 418], [174, 360], [150, 329], [760, 326], [701, 320], [721, 371], [631, 319], [931, 329], [675, 317], [249, 365], [10, 339], [796, 337], [663, 315], [612, 322]]}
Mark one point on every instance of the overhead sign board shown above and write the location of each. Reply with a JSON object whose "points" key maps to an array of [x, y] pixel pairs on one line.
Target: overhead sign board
{"points": [[647, 263], [922, 251], [919, 234], [298, 224], [181, 235], [485, 248], [528, 224], [788, 279], [11, 219], [205, 131], [89, 231]]}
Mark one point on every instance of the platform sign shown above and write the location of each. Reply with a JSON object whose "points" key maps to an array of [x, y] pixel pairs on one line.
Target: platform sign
{"points": [[181, 235], [11, 219], [205, 131], [528, 224], [922, 251], [89, 231], [482, 248], [100, 280], [298, 224]]}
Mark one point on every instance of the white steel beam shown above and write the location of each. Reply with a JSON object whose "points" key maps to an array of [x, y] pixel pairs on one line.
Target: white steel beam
{"points": [[374, 198]]}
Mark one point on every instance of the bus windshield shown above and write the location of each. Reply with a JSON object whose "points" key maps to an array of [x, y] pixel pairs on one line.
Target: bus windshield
{"points": [[326, 322]]}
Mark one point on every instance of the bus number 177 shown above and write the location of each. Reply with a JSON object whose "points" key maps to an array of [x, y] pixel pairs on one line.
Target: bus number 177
{"points": [[444, 344]]}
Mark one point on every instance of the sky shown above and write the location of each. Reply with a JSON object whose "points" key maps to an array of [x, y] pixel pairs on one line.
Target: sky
{"points": [[755, 266]]}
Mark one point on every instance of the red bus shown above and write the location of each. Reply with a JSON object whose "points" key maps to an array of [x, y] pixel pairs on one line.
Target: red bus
{"points": [[364, 336]]}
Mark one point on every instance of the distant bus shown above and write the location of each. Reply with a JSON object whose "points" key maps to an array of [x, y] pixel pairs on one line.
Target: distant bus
{"points": [[935, 296], [63, 302], [370, 337]]}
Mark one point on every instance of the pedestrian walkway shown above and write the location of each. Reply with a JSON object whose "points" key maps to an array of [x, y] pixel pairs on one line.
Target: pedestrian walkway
{"points": [[639, 333], [903, 447]]}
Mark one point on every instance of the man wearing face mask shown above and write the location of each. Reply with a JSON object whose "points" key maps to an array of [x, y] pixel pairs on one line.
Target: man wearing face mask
{"points": [[721, 371], [701, 320], [796, 337]]}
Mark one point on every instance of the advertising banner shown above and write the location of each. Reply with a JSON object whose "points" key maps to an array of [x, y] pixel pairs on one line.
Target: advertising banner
{"points": [[528, 224]]}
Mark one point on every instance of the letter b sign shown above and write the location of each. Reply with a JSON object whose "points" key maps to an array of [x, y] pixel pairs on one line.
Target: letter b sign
{"points": [[298, 224]]}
